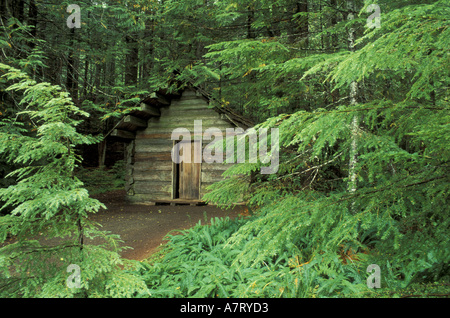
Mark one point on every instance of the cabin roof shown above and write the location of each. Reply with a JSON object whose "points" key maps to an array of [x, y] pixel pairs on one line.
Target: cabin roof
{"points": [[150, 107]]}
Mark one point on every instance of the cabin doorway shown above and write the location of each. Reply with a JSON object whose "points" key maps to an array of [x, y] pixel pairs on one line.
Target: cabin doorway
{"points": [[186, 173]]}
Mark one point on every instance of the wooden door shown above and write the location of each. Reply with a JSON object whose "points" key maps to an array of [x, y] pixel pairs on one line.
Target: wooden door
{"points": [[189, 173]]}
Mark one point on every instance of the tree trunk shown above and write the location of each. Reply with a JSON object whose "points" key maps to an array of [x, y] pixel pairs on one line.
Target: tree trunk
{"points": [[334, 36], [11, 9], [85, 77], [72, 80], [96, 80], [352, 184], [32, 18], [3, 11], [299, 27], [251, 33], [102, 153], [111, 73], [131, 61], [17, 7]]}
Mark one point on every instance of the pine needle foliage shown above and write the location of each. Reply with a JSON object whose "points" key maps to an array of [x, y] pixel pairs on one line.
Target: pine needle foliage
{"points": [[49, 201], [398, 215], [310, 236], [286, 64]]}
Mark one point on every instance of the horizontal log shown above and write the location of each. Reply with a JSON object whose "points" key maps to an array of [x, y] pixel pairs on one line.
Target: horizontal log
{"points": [[146, 166], [168, 135], [194, 112], [187, 109], [212, 176], [151, 110], [140, 175], [138, 122], [144, 198], [155, 195], [153, 142], [156, 127], [123, 134], [159, 98], [152, 187], [191, 106], [143, 135], [152, 147], [185, 97], [148, 156], [216, 166], [169, 126], [122, 125], [187, 118], [189, 93]]}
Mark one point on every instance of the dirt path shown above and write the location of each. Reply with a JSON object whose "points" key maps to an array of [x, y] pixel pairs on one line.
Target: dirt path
{"points": [[143, 227]]}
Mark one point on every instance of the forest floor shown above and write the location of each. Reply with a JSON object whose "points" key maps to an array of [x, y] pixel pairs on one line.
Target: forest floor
{"points": [[143, 227]]}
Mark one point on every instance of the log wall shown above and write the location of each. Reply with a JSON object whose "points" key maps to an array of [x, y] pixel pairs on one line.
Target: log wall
{"points": [[149, 164]]}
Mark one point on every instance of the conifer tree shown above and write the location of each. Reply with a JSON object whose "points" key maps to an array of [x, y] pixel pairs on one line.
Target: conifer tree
{"points": [[49, 201], [312, 207]]}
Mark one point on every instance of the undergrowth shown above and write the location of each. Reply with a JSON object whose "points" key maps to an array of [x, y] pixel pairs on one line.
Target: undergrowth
{"points": [[214, 261], [102, 180]]}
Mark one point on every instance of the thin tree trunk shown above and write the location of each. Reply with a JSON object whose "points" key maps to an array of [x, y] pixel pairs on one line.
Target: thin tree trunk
{"points": [[147, 56], [298, 28], [102, 153], [111, 77], [72, 81], [352, 184], [17, 7], [85, 77], [251, 33], [334, 36], [131, 60], [32, 18]]}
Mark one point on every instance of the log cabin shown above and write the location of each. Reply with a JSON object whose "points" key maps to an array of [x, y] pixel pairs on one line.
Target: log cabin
{"points": [[152, 176]]}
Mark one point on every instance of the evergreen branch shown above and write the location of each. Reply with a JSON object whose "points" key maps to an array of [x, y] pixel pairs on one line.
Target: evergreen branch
{"points": [[364, 192], [43, 249], [312, 168]]}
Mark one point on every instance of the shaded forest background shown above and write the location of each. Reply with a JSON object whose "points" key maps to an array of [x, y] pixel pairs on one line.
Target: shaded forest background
{"points": [[362, 111]]}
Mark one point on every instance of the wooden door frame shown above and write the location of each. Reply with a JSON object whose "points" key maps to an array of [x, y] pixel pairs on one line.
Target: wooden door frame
{"points": [[176, 174]]}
